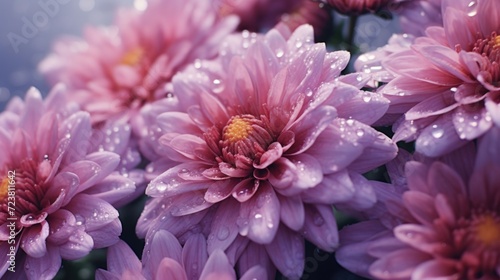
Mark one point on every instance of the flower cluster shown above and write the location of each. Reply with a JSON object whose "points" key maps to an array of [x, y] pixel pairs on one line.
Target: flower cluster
{"points": [[242, 137]]}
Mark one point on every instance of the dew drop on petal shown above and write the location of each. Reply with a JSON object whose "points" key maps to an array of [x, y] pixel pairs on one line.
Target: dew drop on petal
{"points": [[223, 233], [279, 53], [437, 132], [472, 8]]}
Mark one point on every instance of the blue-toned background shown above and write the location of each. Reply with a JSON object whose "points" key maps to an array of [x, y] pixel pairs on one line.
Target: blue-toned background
{"points": [[28, 29]]}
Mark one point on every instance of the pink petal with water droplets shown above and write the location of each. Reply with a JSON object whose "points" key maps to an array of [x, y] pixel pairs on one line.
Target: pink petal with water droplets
{"points": [[274, 152], [436, 105], [320, 227], [34, 240], [308, 171], [224, 229], [260, 216], [334, 188], [245, 189], [445, 59], [287, 253], [79, 244], [439, 138]]}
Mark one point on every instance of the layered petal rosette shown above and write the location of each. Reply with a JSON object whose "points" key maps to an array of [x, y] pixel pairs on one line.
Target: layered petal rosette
{"points": [[443, 223], [270, 137], [446, 84], [164, 258], [55, 192], [114, 71]]}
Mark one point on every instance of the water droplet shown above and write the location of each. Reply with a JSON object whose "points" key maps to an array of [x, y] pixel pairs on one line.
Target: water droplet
{"points": [[218, 86], [298, 44], [279, 53], [197, 64], [309, 92], [472, 8], [80, 220], [46, 157], [223, 233], [367, 98], [258, 216], [170, 95], [360, 132], [437, 132]]}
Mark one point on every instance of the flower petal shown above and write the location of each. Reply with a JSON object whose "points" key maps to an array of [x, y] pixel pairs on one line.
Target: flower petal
{"points": [[287, 253], [260, 216]]}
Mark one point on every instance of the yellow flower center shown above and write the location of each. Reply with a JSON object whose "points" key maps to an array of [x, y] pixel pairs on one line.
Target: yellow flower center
{"points": [[237, 130], [4, 187], [132, 57], [496, 41], [488, 231]]}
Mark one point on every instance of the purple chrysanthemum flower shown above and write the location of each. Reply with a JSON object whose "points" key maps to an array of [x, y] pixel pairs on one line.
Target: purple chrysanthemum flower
{"points": [[55, 193], [446, 84], [270, 137], [164, 258], [115, 71], [446, 225]]}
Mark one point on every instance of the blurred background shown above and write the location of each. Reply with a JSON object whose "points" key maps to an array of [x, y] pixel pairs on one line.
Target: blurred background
{"points": [[29, 28]]}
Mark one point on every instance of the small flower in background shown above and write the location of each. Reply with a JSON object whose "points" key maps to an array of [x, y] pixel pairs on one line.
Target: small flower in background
{"points": [[164, 258], [415, 16], [357, 7], [116, 70], [271, 136], [63, 191], [262, 15], [446, 84], [445, 224]]}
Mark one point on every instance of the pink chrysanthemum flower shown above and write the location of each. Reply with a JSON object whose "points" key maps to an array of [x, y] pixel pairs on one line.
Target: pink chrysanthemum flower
{"points": [[261, 15], [55, 193], [270, 138], [445, 226], [116, 70], [164, 258], [446, 84]]}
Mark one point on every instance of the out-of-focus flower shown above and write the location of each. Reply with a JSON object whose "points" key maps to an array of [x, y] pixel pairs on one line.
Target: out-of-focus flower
{"points": [[416, 15], [164, 258], [446, 225], [56, 193], [116, 70], [262, 15], [356, 7], [270, 137], [446, 84]]}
